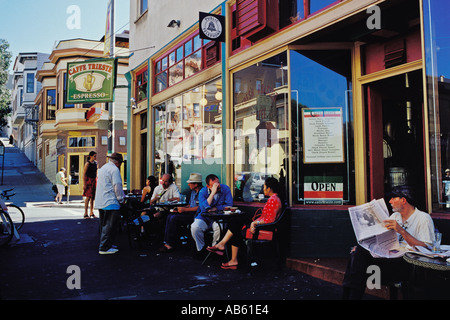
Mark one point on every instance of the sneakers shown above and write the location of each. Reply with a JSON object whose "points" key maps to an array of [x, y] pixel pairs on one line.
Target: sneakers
{"points": [[109, 251]]}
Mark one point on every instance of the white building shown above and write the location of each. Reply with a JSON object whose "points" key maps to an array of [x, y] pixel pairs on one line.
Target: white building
{"points": [[24, 113]]}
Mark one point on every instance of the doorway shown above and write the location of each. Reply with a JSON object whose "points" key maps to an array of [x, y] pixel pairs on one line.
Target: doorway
{"points": [[394, 108], [75, 165]]}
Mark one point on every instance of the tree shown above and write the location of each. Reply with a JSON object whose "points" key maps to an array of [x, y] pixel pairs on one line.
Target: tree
{"points": [[5, 95]]}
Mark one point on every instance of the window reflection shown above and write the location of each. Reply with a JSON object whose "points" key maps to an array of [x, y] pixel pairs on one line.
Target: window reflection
{"points": [[261, 135], [316, 5], [188, 129], [437, 51], [321, 111], [51, 104]]}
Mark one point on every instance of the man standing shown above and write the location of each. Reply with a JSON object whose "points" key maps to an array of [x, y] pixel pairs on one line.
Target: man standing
{"points": [[214, 197], [109, 195], [413, 227], [61, 184]]}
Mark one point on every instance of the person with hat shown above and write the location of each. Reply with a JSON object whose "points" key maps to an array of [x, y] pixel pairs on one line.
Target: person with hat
{"points": [[413, 227], [182, 215], [108, 197]]}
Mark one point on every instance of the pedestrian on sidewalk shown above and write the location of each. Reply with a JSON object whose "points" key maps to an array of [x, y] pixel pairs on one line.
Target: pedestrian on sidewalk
{"points": [[61, 184], [90, 183], [109, 195]]}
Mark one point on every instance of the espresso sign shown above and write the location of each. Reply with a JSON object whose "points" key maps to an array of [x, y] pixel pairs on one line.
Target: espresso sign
{"points": [[91, 81]]}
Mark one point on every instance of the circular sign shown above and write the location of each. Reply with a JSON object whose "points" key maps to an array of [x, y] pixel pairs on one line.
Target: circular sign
{"points": [[211, 27]]}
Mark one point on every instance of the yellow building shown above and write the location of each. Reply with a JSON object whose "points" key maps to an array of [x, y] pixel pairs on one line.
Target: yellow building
{"points": [[68, 132]]}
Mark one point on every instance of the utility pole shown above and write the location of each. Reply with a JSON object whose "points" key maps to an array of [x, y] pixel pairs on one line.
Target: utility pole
{"points": [[111, 55]]}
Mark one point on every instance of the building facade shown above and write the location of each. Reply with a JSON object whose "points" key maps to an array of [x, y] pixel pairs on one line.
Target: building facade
{"points": [[67, 132], [341, 100], [24, 112]]}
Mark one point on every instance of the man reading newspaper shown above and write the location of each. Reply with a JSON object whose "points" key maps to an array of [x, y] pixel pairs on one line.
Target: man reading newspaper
{"points": [[383, 240]]}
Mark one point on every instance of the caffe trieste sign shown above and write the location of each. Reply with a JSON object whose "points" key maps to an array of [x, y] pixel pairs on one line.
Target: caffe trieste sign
{"points": [[91, 81]]}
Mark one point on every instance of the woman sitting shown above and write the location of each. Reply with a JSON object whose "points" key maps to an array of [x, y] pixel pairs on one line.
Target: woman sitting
{"points": [[234, 234], [147, 192]]}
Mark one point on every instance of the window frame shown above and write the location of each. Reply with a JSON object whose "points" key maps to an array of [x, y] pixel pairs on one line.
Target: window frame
{"points": [[139, 75], [162, 65]]}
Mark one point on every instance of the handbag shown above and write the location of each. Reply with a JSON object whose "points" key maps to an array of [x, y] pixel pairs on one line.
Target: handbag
{"points": [[259, 234]]}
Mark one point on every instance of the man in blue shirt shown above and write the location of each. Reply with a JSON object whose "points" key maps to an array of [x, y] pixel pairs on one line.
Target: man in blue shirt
{"points": [[214, 197]]}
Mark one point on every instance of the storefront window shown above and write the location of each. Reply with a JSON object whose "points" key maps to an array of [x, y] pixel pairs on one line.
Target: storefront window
{"points": [[260, 103], [188, 133], [323, 161], [437, 51]]}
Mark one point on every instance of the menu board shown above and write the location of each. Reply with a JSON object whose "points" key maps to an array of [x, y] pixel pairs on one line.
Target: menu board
{"points": [[323, 138]]}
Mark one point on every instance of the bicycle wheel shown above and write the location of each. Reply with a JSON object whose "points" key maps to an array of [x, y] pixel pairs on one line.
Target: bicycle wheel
{"points": [[17, 215], [6, 228]]}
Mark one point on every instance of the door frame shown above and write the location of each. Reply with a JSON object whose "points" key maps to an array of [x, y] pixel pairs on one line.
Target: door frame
{"points": [[77, 190], [361, 130]]}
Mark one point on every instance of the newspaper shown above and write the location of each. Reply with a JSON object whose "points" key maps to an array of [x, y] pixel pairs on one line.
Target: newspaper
{"points": [[368, 224], [428, 252]]}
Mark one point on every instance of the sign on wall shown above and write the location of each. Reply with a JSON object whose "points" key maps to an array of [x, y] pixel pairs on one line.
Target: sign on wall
{"points": [[212, 27], [323, 190], [91, 81]]}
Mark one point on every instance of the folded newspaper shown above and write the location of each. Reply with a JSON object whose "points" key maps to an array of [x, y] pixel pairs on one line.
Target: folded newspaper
{"points": [[368, 224]]}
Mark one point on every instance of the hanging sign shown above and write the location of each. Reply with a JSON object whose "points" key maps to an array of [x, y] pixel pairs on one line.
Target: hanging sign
{"points": [[91, 81], [212, 27]]}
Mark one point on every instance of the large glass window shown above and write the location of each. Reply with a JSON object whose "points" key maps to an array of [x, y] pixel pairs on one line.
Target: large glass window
{"points": [[260, 104], [188, 133], [437, 51], [323, 161]]}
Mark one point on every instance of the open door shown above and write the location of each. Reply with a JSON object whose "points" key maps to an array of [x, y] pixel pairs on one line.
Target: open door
{"points": [[395, 135]]}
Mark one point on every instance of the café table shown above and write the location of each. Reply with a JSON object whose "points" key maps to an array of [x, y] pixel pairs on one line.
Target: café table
{"points": [[170, 204], [430, 276], [221, 217]]}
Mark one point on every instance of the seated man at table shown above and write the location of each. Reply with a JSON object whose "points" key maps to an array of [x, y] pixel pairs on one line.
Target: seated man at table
{"points": [[182, 215], [164, 192], [414, 228], [214, 197]]}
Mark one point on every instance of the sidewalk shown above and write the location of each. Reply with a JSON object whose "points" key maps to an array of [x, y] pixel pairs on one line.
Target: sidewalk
{"points": [[31, 186], [33, 189]]}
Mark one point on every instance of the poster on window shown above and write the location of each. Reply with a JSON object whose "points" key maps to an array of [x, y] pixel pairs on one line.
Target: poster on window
{"points": [[323, 135]]}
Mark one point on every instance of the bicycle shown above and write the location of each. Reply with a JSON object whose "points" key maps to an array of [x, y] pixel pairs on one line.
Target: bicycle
{"points": [[6, 226], [15, 212]]}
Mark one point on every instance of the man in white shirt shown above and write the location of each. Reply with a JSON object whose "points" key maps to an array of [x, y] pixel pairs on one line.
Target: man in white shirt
{"points": [[413, 227], [166, 191], [108, 197]]}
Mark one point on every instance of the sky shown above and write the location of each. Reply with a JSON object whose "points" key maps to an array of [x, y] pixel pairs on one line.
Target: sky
{"points": [[37, 25]]}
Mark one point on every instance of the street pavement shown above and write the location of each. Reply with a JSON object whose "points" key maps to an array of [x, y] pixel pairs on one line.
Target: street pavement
{"points": [[56, 258]]}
